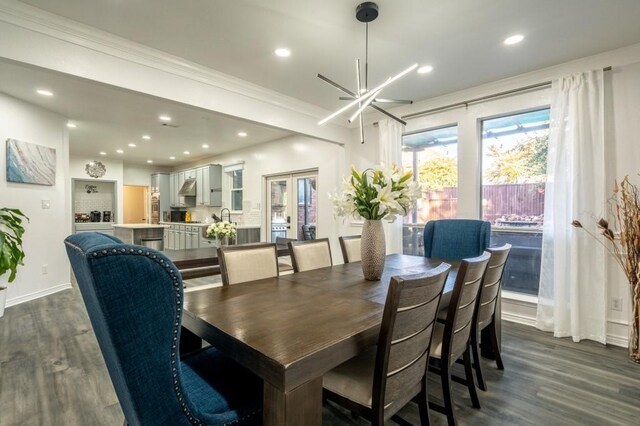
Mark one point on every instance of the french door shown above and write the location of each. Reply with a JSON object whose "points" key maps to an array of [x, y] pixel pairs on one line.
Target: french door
{"points": [[292, 206]]}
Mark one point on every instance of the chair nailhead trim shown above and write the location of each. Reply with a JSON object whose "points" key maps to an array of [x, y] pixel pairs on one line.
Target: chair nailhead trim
{"points": [[176, 284]]}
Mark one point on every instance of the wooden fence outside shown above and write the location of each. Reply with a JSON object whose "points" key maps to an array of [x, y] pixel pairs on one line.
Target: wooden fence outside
{"points": [[512, 202]]}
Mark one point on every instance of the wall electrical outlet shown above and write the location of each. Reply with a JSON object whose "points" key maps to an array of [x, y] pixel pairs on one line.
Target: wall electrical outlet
{"points": [[616, 303], [45, 269]]}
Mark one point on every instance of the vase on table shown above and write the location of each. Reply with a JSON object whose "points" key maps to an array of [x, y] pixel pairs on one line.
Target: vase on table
{"points": [[372, 250]]}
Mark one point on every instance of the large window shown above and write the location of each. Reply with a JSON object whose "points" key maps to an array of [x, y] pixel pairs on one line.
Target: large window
{"points": [[514, 161], [432, 155]]}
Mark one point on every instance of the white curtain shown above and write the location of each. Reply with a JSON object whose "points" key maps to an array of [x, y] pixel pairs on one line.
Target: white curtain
{"points": [[390, 143], [571, 299]]}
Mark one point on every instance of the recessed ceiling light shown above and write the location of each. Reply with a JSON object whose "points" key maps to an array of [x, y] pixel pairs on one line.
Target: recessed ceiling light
{"points": [[242, 134], [172, 158], [103, 153], [119, 151], [186, 153], [425, 69], [132, 145], [146, 137], [149, 161], [164, 118], [44, 92], [71, 125], [282, 52], [514, 39], [204, 145]]}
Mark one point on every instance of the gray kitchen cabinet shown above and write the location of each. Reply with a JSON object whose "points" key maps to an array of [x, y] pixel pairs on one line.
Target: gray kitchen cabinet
{"points": [[190, 174], [247, 235], [209, 185], [173, 190], [172, 238], [165, 238]]}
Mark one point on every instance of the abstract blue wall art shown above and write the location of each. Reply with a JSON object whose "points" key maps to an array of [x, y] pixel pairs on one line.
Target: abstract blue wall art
{"points": [[30, 163]]}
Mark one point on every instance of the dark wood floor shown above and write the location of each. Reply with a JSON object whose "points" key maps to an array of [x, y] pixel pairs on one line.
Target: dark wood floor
{"points": [[52, 373]]}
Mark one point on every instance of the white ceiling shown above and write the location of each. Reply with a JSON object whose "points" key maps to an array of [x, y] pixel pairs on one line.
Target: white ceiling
{"points": [[110, 118], [462, 39]]}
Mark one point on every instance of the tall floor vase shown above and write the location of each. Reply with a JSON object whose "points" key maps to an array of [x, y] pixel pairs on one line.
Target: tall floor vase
{"points": [[634, 328], [372, 250]]}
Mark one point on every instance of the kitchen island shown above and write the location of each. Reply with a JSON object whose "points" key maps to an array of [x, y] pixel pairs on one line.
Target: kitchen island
{"points": [[137, 233]]}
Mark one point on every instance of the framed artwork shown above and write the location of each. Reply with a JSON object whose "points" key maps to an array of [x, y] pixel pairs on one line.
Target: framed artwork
{"points": [[30, 163]]}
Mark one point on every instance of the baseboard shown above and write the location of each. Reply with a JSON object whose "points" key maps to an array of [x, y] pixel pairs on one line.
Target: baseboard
{"points": [[519, 319], [37, 294], [523, 311], [622, 341]]}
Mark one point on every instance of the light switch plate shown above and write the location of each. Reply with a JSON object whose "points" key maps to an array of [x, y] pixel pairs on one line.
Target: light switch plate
{"points": [[46, 204]]}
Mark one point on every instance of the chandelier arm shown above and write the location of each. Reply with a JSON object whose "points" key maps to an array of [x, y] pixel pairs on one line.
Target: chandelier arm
{"points": [[364, 105], [388, 114], [393, 101], [358, 88], [337, 86], [369, 94]]}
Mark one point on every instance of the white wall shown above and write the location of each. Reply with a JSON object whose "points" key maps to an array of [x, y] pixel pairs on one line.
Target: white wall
{"points": [[47, 229], [622, 130], [294, 153], [140, 175]]}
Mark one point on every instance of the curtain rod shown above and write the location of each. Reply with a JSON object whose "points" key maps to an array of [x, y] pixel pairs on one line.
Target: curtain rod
{"points": [[481, 99]]}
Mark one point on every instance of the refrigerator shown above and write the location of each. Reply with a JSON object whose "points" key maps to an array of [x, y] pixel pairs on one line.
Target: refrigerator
{"points": [[159, 197]]}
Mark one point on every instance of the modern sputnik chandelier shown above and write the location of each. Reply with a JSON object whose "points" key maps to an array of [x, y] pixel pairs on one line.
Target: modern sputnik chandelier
{"points": [[365, 97]]}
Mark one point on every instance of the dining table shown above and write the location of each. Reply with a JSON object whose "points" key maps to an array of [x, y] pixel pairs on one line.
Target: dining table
{"points": [[290, 330]]}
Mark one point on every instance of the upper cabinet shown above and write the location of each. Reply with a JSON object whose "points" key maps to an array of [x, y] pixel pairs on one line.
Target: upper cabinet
{"points": [[209, 185]]}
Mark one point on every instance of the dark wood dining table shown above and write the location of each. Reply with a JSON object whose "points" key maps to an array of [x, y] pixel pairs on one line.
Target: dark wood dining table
{"points": [[292, 329]]}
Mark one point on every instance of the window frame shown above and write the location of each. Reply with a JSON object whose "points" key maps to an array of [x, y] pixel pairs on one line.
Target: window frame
{"points": [[232, 190]]}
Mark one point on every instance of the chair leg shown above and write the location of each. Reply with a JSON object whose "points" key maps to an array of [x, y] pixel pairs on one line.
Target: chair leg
{"points": [[423, 404], [445, 376], [496, 346], [476, 363], [468, 372]]}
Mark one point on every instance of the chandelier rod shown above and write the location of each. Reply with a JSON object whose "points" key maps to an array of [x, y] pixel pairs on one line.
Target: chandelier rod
{"points": [[366, 57]]}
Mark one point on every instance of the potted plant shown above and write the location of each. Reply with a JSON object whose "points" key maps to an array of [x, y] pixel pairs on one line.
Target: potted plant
{"points": [[11, 254], [223, 231]]}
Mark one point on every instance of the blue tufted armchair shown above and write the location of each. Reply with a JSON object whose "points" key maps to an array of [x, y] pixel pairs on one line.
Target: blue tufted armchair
{"points": [[456, 239], [133, 295]]}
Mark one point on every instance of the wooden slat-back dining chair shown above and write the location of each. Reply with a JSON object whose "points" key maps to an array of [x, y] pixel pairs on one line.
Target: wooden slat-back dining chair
{"points": [[451, 340], [308, 255], [247, 262], [485, 313], [350, 247], [382, 380]]}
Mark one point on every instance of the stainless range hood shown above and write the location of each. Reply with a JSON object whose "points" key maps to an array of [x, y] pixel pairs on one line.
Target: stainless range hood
{"points": [[188, 188]]}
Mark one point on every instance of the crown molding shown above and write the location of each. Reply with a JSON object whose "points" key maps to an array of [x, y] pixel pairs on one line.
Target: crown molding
{"points": [[22, 15]]}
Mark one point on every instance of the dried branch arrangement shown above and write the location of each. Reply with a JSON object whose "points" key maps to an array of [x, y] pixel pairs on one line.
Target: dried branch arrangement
{"points": [[625, 209]]}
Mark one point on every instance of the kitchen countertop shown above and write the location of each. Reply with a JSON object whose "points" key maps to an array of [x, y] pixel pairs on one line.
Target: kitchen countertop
{"points": [[207, 224], [138, 226]]}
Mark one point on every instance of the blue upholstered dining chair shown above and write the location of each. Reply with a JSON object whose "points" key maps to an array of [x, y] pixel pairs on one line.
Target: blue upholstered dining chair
{"points": [[133, 295], [456, 239]]}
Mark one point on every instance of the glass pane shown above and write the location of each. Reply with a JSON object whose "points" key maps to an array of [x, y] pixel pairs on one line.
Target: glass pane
{"points": [[514, 167], [307, 208], [237, 179], [432, 156], [278, 191], [236, 200]]}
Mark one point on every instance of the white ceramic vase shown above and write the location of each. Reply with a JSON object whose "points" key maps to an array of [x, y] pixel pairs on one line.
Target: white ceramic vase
{"points": [[372, 250]]}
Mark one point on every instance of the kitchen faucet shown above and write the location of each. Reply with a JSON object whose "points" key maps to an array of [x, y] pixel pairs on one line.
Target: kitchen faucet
{"points": [[228, 214]]}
